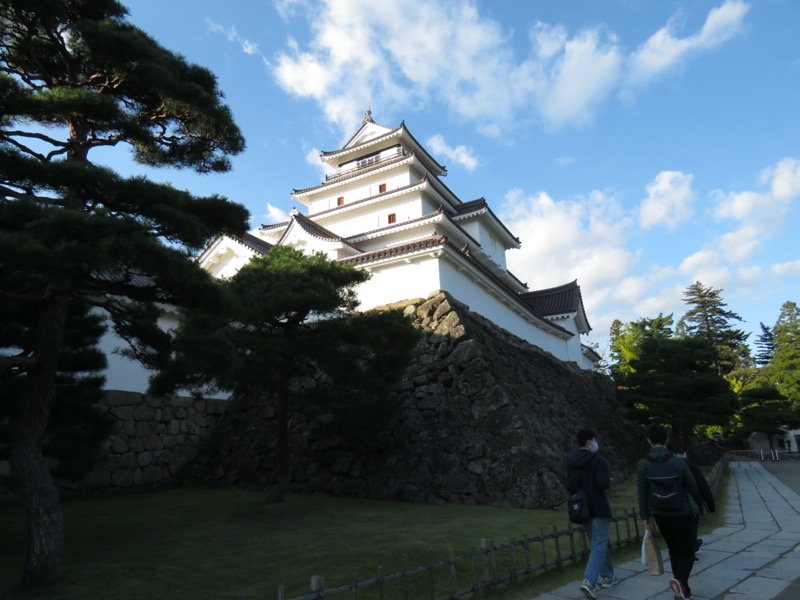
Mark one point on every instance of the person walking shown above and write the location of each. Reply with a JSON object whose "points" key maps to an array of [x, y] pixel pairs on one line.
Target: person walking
{"points": [[662, 481], [704, 498], [588, 471]]}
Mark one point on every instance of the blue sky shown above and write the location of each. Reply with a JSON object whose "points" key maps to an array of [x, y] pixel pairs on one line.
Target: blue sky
{"points": [[636, 146]]}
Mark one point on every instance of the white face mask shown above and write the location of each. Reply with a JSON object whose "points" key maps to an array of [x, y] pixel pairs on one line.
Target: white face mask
{"points": [[595, 446]]}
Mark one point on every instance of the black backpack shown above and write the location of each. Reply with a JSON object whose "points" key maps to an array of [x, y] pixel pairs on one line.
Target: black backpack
{"points": [[666, 491], [578, 511]]}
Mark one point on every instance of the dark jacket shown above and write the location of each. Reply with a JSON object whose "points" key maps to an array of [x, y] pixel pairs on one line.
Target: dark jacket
{"points": [[579, 466], [687, 481], [704, 498]]}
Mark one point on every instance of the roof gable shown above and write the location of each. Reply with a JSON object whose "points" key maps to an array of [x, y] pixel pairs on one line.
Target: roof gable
{"points": [[561, 300], [369, 131]]}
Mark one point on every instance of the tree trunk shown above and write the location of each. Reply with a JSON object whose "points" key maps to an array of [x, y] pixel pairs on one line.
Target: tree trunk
{"points": [[36, 486], [278, 492]]}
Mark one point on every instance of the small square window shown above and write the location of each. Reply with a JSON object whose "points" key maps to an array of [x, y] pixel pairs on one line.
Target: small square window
{"points": [[340, 201], [381, 188], [392, 218]]}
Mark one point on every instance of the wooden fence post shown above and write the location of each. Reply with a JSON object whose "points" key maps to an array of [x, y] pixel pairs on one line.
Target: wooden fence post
{"points": [[616, 527], [318, 585], [405, 576], [354, 586], [433, 576], [527, 542], [379, 580], [493, 562], [453, 578], [484, 552], [544, 548], [513, 558], [559, 560], [473, 555], [281, 593]]}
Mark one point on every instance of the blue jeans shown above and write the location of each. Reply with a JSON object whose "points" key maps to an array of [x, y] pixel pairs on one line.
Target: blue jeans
{"points": [[599, 533]]}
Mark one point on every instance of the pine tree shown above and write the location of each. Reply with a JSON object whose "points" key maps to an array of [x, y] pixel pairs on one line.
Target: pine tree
{"points": [[289, 337], [786, 360], [626, 339], [674, 381], [76, 427], [707, 318], [764, 410], [75, 77], [766, 346]]}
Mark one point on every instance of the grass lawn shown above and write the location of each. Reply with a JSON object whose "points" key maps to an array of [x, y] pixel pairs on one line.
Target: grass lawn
{"points": [[198, 543]]}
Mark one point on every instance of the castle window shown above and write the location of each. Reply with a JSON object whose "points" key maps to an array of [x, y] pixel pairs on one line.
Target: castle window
{"points": [[381, 188], [392, 218], [340, 201]]}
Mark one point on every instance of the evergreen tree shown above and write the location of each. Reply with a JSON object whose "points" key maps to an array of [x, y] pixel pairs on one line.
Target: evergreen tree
{"points": [[76, 427], [766, 346], [289, 337], [707, 318], [626, 339], [674, 381], [76, 77], [764, 410], [786, 360]]}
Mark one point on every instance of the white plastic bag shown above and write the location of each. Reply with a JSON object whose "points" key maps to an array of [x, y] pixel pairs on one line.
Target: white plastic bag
{"points": [[644, 537]]}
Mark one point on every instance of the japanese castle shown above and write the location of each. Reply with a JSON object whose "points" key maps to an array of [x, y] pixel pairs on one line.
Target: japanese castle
{"points": [[384, 208]]}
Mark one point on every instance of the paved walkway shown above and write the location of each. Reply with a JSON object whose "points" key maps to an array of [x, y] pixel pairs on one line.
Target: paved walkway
{"points": [[755, 555]]}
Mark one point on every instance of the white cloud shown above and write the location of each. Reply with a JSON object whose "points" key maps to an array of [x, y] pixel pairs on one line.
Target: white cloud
{"points": [[740, 206], [737, 245], [787, 268], [248, 47], [446, 51], [669, 200], [276, 215], [580, 78], [592, 238], [313, 159], [459, 154], [564, 161], [561, 241], [663, 50], [759, 214], [412, 53], [784, 179]]}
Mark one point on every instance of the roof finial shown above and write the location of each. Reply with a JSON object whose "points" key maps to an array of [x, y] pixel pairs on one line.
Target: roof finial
{"points": [[367, 117]]}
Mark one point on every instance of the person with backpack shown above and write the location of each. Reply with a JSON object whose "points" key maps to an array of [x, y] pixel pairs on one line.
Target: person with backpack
{"points": [[704, 498], [666, 488], [589, 472]]}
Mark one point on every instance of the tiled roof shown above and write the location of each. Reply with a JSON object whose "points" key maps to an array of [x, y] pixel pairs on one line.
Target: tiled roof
{"points": [[558, 300], [555, 301], [423, 244], [253, 242], [402, 127], [367, 119], [481, 204], [318, 231], [356, 173]]}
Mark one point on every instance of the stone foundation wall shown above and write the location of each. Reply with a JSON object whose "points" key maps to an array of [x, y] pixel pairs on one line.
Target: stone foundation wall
{"points": [[485, 418], [153, 439]]}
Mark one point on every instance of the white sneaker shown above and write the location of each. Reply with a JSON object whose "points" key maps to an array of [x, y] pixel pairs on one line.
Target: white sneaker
{"points": [[607, 582], [588, 590]]}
